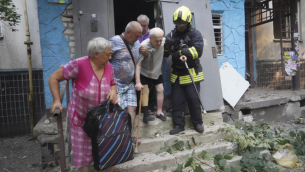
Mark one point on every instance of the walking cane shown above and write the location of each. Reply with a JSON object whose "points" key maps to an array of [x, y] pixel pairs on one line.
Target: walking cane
{"points": [[136, 148], [187, 67]]}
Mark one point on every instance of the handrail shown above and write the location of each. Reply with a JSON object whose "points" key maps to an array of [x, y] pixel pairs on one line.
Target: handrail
{"points": [[58, 115]]}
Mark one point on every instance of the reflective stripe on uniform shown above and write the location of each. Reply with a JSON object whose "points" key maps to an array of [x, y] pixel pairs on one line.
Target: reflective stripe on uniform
{"points": [[187, 79], [193, 51], [173, 78]]}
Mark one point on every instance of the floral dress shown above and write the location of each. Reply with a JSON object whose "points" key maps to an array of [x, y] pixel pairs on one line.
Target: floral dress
{"points": [[87, 92]]}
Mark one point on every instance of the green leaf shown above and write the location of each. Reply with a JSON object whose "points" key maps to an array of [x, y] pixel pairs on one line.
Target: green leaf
{"points": [[202, 154], [208, 156], [264, 156], [227, 156], [188, 162], [222, 162], [237, 169], [239, 151], [179, 168], [193, 139], [292, 134], [242, 143], [198, 169]]}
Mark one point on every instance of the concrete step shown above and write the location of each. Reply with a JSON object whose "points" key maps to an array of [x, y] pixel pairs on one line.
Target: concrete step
{"points": [[151, 161], [154, 144], [234, 162], [147, 130]]}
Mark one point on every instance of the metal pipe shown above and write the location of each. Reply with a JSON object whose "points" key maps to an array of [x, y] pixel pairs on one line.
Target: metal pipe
{"points": [[281, 42], [29, 43], [295, 43], [58, 115]]}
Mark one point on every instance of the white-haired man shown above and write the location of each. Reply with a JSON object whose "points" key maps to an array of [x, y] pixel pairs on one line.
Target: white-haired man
{"points": [[144, 22], [148, 70]]}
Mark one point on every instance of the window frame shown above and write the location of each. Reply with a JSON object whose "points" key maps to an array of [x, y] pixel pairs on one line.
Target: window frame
{"points": [[221, 33]]}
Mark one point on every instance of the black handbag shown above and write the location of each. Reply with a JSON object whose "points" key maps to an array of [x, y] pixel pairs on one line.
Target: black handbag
{"points": [[109, 128]]}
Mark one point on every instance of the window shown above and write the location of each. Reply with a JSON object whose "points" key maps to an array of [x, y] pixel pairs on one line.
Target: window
{"points": [[193, 24], [286, 20], [1, 31], [59, 1], [217, 26]]}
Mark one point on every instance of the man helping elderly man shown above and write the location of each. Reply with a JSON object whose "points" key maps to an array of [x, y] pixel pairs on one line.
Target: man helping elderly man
{"points": [[148, 70]]}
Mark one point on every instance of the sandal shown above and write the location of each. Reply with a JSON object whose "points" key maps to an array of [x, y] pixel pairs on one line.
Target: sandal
{"points": [[162, 117], [133, 141]]}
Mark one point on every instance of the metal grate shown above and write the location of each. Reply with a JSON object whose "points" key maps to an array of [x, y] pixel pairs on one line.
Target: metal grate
{"points": [[217, 25], [269, 74], [14, 108]]}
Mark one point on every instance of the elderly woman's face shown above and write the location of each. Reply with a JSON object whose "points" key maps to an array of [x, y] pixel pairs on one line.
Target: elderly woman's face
{"points": [[104, 56]]}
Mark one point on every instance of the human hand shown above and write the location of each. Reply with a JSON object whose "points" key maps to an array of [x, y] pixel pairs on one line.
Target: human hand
{"points": [[168, 43], [183, 58], [143, 50], [112, 96], [138, 86], [54, 106]]}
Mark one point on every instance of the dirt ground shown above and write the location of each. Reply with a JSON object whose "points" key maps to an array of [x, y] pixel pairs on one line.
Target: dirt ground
{"points": [[20, 154]]}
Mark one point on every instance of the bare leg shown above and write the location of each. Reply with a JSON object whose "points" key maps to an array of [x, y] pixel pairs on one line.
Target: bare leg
{"points": [[86, 168], [110, 169], [160, 97], [132, 112]]}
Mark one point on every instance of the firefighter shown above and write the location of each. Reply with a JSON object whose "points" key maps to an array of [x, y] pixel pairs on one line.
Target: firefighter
{"points": [[185, 43]]}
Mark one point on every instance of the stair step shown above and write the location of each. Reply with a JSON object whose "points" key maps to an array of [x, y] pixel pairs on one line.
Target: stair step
{"points": [[234, 162], [149, 129], [151, 161], [210, 135]]}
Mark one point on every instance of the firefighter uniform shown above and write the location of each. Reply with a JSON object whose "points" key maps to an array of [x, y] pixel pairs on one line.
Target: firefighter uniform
{"points": [[190, 44]]}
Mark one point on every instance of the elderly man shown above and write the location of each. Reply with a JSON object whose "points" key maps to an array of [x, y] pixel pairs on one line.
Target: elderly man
{"points": [[144, 22], [124, 66], [148, 70]]}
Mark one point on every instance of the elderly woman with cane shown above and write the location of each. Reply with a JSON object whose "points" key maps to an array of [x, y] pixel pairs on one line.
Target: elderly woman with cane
{"points": [[92, 81]]}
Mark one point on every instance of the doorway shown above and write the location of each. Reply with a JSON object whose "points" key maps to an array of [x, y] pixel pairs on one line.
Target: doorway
{"points": [[128, 10]]}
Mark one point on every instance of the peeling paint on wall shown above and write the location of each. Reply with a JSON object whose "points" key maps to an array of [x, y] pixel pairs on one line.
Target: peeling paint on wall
{"points": [[233, 18], [54, 45]]}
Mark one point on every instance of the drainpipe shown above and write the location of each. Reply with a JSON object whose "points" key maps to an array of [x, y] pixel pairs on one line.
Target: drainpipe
{"points": [[295, 42], [29, 43]]}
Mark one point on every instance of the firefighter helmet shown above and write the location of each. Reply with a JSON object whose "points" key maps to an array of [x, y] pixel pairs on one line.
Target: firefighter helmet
{"points": [[182, 15]]}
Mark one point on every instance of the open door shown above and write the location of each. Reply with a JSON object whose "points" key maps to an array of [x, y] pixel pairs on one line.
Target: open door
{"points": [[210, 92]]}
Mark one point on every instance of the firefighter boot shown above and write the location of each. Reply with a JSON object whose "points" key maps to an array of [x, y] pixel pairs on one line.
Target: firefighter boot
{"points": [[199, 128], [177, 129]]}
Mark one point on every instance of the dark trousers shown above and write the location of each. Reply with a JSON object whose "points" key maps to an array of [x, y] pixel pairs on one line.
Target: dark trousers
{"points": [[179, 94], [152, 101]]}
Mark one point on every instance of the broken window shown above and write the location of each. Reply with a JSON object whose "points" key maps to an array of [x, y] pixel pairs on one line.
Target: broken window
{"points": [[217, 26]]}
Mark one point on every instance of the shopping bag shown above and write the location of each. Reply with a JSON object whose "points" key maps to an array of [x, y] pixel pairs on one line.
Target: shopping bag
{"points": [[109, 128]]}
